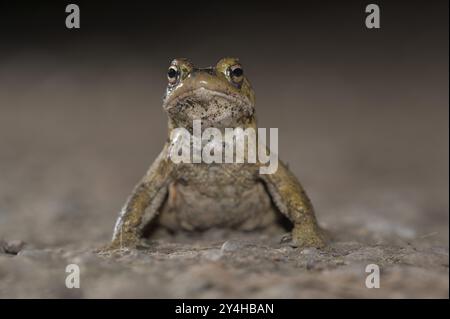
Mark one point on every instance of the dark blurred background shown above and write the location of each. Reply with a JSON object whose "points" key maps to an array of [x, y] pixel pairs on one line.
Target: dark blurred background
{"points": [[362, 114]]}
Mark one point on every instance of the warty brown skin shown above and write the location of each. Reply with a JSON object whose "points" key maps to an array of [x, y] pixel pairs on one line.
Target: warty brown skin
{"points": [[196, 197]]}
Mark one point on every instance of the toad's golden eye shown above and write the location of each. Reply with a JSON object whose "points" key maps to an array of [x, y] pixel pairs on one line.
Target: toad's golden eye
{"points": [[173, 74], [236, 73]]}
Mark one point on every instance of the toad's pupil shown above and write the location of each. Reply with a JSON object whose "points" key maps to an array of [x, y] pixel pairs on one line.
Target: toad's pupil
{"points": [[237, 72], [172, 73]]}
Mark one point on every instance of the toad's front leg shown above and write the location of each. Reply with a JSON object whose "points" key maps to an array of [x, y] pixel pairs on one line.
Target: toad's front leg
{"points": [[292, 201], [143, 204]]}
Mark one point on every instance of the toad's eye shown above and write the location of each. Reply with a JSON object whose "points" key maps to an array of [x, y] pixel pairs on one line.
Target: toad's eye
{"points": [[173, 74], [236, 73]]}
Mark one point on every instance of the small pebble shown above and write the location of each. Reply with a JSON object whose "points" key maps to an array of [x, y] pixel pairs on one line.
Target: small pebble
{"points": [[232, 245], [12, 247]]}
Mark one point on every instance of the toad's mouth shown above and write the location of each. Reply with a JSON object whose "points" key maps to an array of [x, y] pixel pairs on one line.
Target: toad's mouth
{"points": [[203, 97]]}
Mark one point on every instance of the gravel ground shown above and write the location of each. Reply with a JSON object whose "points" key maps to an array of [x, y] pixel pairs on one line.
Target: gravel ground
{"points": [[235, 268], [75, 140]]}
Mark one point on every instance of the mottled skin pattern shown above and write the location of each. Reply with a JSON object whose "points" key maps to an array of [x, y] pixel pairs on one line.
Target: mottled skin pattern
{"points": [[199, 196]]}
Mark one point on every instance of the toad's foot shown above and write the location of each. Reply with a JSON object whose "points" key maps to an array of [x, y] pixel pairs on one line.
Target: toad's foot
{"points": [[303, 237]]}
